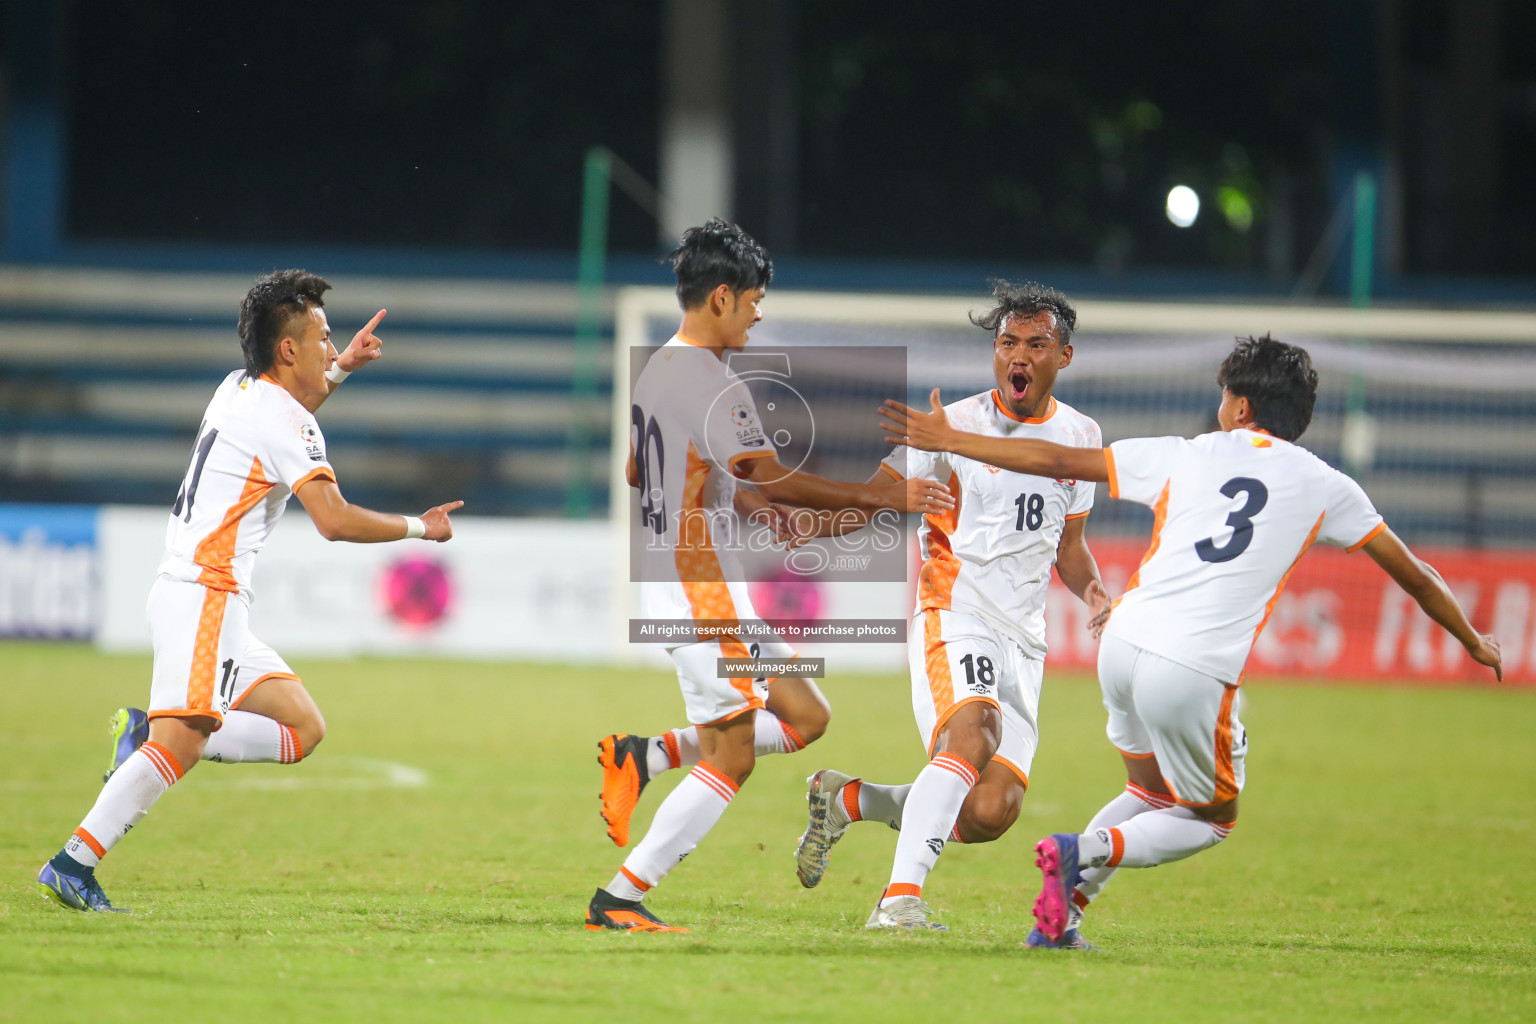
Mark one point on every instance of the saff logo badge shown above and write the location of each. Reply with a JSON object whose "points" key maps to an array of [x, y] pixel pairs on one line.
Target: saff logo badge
{"points": [[309, 434], [741, 415]]}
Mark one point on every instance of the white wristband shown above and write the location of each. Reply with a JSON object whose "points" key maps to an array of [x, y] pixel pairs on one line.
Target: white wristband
{"points": [[336, 374], [414, 527]]}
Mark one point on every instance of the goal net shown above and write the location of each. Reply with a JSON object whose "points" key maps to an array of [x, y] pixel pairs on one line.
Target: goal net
{"points": [[1431, 410]]}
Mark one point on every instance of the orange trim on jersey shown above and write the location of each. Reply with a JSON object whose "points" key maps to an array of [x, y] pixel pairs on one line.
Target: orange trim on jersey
{"points": [[936, 579], [744, 456], [216, 552], [1135, 757], [235, 705], [1114, 481], [1226, 779], [1077, 515], [698, 567], [205, 652], [892, 471], [324, 471], [90, 840], [634, 879], [1269, 609], [1013, 768], [902, 889], [689, 341], [1363, 541], [1159, 516], [1050, 409], [949, 712]]}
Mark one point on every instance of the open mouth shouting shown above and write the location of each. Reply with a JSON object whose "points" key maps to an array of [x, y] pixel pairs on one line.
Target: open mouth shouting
{"points": [[1018, 384]]}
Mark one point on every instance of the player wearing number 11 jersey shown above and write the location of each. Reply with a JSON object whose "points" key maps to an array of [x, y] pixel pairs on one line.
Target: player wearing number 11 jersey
{"points": [[1234, 512], [217, 693]]}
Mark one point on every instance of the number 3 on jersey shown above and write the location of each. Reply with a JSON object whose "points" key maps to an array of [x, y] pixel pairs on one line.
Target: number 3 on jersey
{"points": [[1241, 521]]}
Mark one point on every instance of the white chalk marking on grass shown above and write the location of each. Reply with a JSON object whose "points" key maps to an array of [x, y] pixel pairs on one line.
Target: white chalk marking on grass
{"points": [[348, 773]]}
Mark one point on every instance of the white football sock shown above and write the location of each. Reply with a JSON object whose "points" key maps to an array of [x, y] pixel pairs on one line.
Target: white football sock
{"points": [[246, 738], [1150, 839], [867, 801], [929, 816], [1126, 805], [684, 818], [770, 735], [123, 802]]}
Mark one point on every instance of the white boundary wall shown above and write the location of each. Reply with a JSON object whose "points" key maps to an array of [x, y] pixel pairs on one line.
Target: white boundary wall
{"points": [[532, 589]]}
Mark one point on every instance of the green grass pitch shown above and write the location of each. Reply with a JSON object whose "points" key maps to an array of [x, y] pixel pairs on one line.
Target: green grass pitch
{"points": [[1382, 869]]}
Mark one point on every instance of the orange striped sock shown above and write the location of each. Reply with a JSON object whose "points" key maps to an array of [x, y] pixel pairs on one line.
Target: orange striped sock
{"points": [[123, 802]]}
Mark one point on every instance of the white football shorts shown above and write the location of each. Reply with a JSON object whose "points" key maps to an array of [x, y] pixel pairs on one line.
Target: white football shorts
{"points": [[206, 660], [1189, 720], [957, 659], [707, 697]]}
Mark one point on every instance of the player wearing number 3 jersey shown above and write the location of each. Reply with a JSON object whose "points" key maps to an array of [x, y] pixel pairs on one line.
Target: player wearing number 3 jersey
{"points": [[217, 693], [1234, 512]]}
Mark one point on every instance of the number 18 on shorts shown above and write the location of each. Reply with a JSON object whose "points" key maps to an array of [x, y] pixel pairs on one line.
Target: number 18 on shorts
{"points": [[962, 660]]}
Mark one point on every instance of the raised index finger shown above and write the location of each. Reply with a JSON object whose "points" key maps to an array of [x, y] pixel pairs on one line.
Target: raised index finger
{"points": [[368, 327]]}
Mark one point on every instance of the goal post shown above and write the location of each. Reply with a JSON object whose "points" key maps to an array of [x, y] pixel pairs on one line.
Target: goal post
{"points": [[1432, 409]]}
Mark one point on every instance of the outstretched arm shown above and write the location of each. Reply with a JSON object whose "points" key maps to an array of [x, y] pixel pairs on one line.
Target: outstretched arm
{"points": [[365, 348], [808, 524], [931, 431], [1420, 580], [808, 490], [336, 519]]}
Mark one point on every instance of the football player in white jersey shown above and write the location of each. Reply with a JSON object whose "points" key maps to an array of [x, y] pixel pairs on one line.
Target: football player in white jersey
{"points": [[1234, 512], [977, 647], [696, 436], [218, 693]]}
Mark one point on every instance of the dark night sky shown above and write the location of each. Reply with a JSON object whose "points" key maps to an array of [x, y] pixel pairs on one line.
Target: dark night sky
{"points": [[1038, 132]]}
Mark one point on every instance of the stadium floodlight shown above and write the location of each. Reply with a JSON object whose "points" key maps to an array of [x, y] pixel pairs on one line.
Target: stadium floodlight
{"points": [[1183, 206]]}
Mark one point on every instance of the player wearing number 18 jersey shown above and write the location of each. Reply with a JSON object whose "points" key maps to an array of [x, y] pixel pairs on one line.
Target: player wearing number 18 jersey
{"points": [[1234, 510], [977, 645], [217, 693]]}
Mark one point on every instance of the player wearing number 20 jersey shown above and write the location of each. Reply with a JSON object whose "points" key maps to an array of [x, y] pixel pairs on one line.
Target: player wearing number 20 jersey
{"points": [[695, 433], [217, 693], [1234, 512]]}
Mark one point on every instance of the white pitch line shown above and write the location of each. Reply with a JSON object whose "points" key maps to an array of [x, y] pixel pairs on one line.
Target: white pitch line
{"points": [[338, 773]]}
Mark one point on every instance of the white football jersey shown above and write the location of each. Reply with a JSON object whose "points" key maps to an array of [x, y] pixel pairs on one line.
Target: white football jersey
{"points": [[1235, 510], [256, 446], [991, 555], [692, 425]]}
